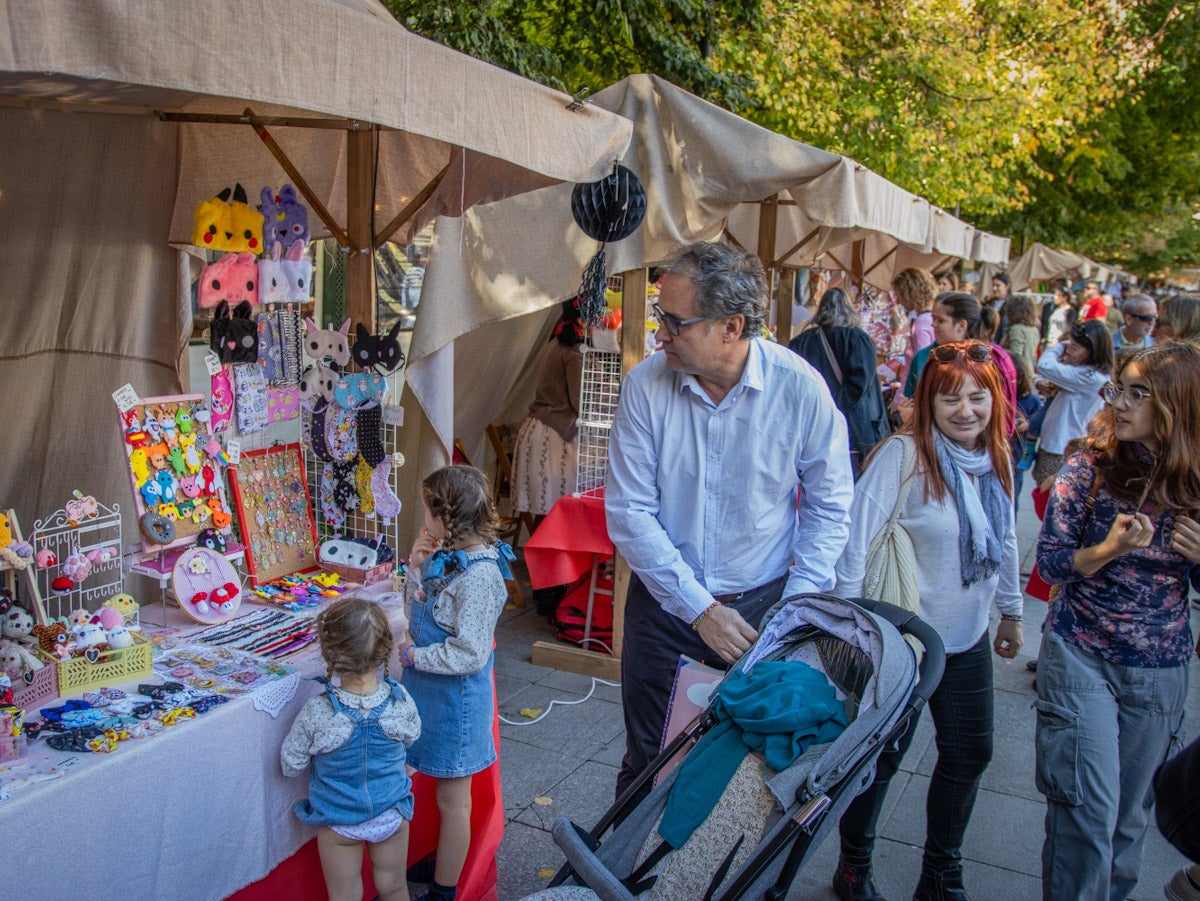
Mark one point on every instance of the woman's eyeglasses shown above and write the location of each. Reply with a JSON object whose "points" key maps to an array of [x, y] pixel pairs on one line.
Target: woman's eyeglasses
{"points": [[1133, 395], [948, 353], [673, 323]]}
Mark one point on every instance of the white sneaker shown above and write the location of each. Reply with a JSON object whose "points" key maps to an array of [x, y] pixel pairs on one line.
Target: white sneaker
{"points": [[1181, 888]]}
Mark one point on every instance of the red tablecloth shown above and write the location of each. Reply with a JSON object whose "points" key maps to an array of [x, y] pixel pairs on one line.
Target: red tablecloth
{"points": [[566, 543]]}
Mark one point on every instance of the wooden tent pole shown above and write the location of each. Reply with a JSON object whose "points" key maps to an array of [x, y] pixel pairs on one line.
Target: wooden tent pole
{"points": [[360, 206], [784, 299], [410, 208]]}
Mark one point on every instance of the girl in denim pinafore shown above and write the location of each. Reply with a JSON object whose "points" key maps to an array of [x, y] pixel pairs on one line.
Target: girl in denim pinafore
{"points": [[453, 596], [354, 735]]}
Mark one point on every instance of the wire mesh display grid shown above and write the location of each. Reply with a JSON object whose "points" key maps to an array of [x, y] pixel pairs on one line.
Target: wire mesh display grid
{"points": [[597, 407]]}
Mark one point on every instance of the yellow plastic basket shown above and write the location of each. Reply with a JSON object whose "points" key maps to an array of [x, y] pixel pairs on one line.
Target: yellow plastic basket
{"points": [[77, 675]]}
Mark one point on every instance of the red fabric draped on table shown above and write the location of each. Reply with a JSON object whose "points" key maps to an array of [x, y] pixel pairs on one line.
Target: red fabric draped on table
{"points": [[299, 877], [567, 542]]}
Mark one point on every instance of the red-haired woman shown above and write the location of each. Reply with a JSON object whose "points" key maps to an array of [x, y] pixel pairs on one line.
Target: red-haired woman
{"points": [[1121, 538], [959, 515]]}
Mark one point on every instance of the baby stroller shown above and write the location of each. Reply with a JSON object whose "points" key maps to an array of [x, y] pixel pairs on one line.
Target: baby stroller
{"points": [[765, 823]]}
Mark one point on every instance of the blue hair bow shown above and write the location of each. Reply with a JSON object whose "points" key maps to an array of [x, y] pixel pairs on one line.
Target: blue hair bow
{"points": [[435, 566]]}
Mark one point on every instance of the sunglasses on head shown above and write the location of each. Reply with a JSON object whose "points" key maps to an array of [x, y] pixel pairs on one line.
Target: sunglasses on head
{"points": [[948, 353], [673, 323], [1080, 336]]}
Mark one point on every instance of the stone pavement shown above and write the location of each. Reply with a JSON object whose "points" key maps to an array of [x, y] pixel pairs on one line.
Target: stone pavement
{"points": [[566, 765]]}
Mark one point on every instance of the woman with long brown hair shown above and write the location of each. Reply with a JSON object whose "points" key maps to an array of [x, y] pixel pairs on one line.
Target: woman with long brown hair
{"points": [[1121, 539], [959, 516]]}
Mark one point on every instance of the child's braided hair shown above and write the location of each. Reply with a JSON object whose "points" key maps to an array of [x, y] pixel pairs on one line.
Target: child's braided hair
{"points": [[355, 637], [461, 497]]}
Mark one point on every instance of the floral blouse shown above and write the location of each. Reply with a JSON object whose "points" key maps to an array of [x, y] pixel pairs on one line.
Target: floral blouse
{"points": [[1133, 611]]}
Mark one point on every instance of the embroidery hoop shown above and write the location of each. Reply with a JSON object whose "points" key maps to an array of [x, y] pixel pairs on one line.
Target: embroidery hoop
{"points": [[187, 584]]}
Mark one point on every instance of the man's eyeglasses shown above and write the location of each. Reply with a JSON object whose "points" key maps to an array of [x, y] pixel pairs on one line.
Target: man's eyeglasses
{"points": [[1133, 395], [948, 353], [673, 323], [1147, 318]]}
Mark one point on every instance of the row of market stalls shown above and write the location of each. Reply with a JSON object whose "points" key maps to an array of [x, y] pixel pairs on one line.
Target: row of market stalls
{"points": [[1042, 264], [708, 174]]}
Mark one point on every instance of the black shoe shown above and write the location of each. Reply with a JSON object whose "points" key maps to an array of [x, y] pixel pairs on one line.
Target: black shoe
{"points": [[853, 883], [940, 885], [1031, 665], [422, 870]]}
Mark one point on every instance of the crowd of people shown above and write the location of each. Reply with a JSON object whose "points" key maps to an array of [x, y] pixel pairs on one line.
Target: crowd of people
{"points": [[708, 524]]}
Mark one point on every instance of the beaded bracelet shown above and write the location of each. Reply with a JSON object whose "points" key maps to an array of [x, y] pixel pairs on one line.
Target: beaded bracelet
{"points": [[1010, 617], [406, 654], [696, 622]]}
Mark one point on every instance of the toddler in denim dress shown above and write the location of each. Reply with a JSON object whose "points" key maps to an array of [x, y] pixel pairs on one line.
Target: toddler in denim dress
{"points": [[354, 735], [453, 596]]}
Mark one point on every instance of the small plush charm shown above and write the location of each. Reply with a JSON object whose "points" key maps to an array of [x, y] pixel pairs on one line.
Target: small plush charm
{"points": [[327, 344], [77, 567], [123, 604], [287, 279], [18, 626], [5, 531], [227, 222], [50, 637], [285, 218], [232, 278], [115, 630]]}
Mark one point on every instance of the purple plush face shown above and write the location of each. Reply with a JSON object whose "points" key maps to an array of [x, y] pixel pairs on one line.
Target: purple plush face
{"points": [[285, 219]]}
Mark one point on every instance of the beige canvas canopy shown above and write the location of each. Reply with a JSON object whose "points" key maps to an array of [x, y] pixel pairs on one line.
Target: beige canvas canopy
{"points": [[1041, 264], [707, 173], [387, 129]]}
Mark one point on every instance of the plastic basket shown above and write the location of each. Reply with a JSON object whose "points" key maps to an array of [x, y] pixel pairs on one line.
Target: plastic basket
{"points": [[39, 692], [77, 675], [376, 573]]}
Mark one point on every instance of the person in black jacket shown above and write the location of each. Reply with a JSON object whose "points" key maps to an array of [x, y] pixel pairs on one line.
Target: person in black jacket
{"points": [[845, 356]]}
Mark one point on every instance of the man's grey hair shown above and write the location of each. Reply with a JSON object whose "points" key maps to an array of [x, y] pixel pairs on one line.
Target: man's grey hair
{"points": [[1133, 301], [728, 282]]}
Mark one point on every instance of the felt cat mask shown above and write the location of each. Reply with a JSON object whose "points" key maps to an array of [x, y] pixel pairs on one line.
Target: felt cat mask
{"points": [[228, 224], [285, 280], [285, 219], [327, 344], [233, 278], [378, 351]]}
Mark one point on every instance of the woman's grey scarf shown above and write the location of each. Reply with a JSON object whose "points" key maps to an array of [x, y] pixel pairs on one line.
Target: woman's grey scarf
{"points": [[984, 509]]}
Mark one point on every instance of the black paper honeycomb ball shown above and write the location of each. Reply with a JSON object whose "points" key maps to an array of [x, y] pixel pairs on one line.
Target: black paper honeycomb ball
{"points": [[612, 208]]}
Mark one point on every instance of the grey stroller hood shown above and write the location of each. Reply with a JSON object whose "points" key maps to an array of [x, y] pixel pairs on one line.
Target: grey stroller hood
{"points": [[755, 839]]}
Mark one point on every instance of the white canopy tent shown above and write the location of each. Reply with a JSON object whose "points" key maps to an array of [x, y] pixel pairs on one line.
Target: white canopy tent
{"points": [[384, 126], [1040, 263], [707, 172]]}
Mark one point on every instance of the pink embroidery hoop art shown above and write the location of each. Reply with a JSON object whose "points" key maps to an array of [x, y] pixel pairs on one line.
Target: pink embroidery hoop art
{"points": [[207, 586]]}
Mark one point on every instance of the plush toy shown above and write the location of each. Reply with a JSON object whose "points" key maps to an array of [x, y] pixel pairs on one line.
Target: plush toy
{"points": [[232, 278], [113, 623], [16, 657], [285, 280], [285, 218], [77, 567], [6, 600], [81, 508], [327, 344], [18, 626], [166, 488], [77, 618], [89, 635], [378, 351], [226, 222], [123, 604], [211, 539], [5, 531], [50, 636], [234, 336]]}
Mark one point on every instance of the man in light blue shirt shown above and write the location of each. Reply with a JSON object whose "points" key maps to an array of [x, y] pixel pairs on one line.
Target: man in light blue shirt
{"points": [[1140, 313], [713, 439]]}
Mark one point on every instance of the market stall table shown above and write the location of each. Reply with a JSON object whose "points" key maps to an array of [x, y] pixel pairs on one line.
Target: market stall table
{"points": [[203, 810]]}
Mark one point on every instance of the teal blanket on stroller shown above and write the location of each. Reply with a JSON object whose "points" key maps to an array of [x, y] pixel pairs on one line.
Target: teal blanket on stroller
{"points": [[778, 709]]}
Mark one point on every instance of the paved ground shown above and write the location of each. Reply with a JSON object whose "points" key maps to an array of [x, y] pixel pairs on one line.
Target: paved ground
{"points": [[566, 765]]}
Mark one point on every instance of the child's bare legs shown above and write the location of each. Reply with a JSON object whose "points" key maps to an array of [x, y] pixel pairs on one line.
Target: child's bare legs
{"points": [[388, 861], [454, 836], [341, 864]]}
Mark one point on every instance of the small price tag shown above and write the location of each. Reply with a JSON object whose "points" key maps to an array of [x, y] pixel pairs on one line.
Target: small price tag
{"points": [[212, 363], [234, 451], [126, 398], [393, 414]]}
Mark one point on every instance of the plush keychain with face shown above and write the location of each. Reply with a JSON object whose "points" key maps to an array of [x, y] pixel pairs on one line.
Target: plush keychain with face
{"points": [[226, 222]]}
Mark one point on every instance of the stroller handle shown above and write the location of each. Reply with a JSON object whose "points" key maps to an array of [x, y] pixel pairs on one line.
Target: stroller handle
{"points": [[933, 662]]}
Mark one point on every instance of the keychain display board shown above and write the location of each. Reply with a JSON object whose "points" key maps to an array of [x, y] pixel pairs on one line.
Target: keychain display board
{"points": [[82, 563], [270, 493], [174, 468]]}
